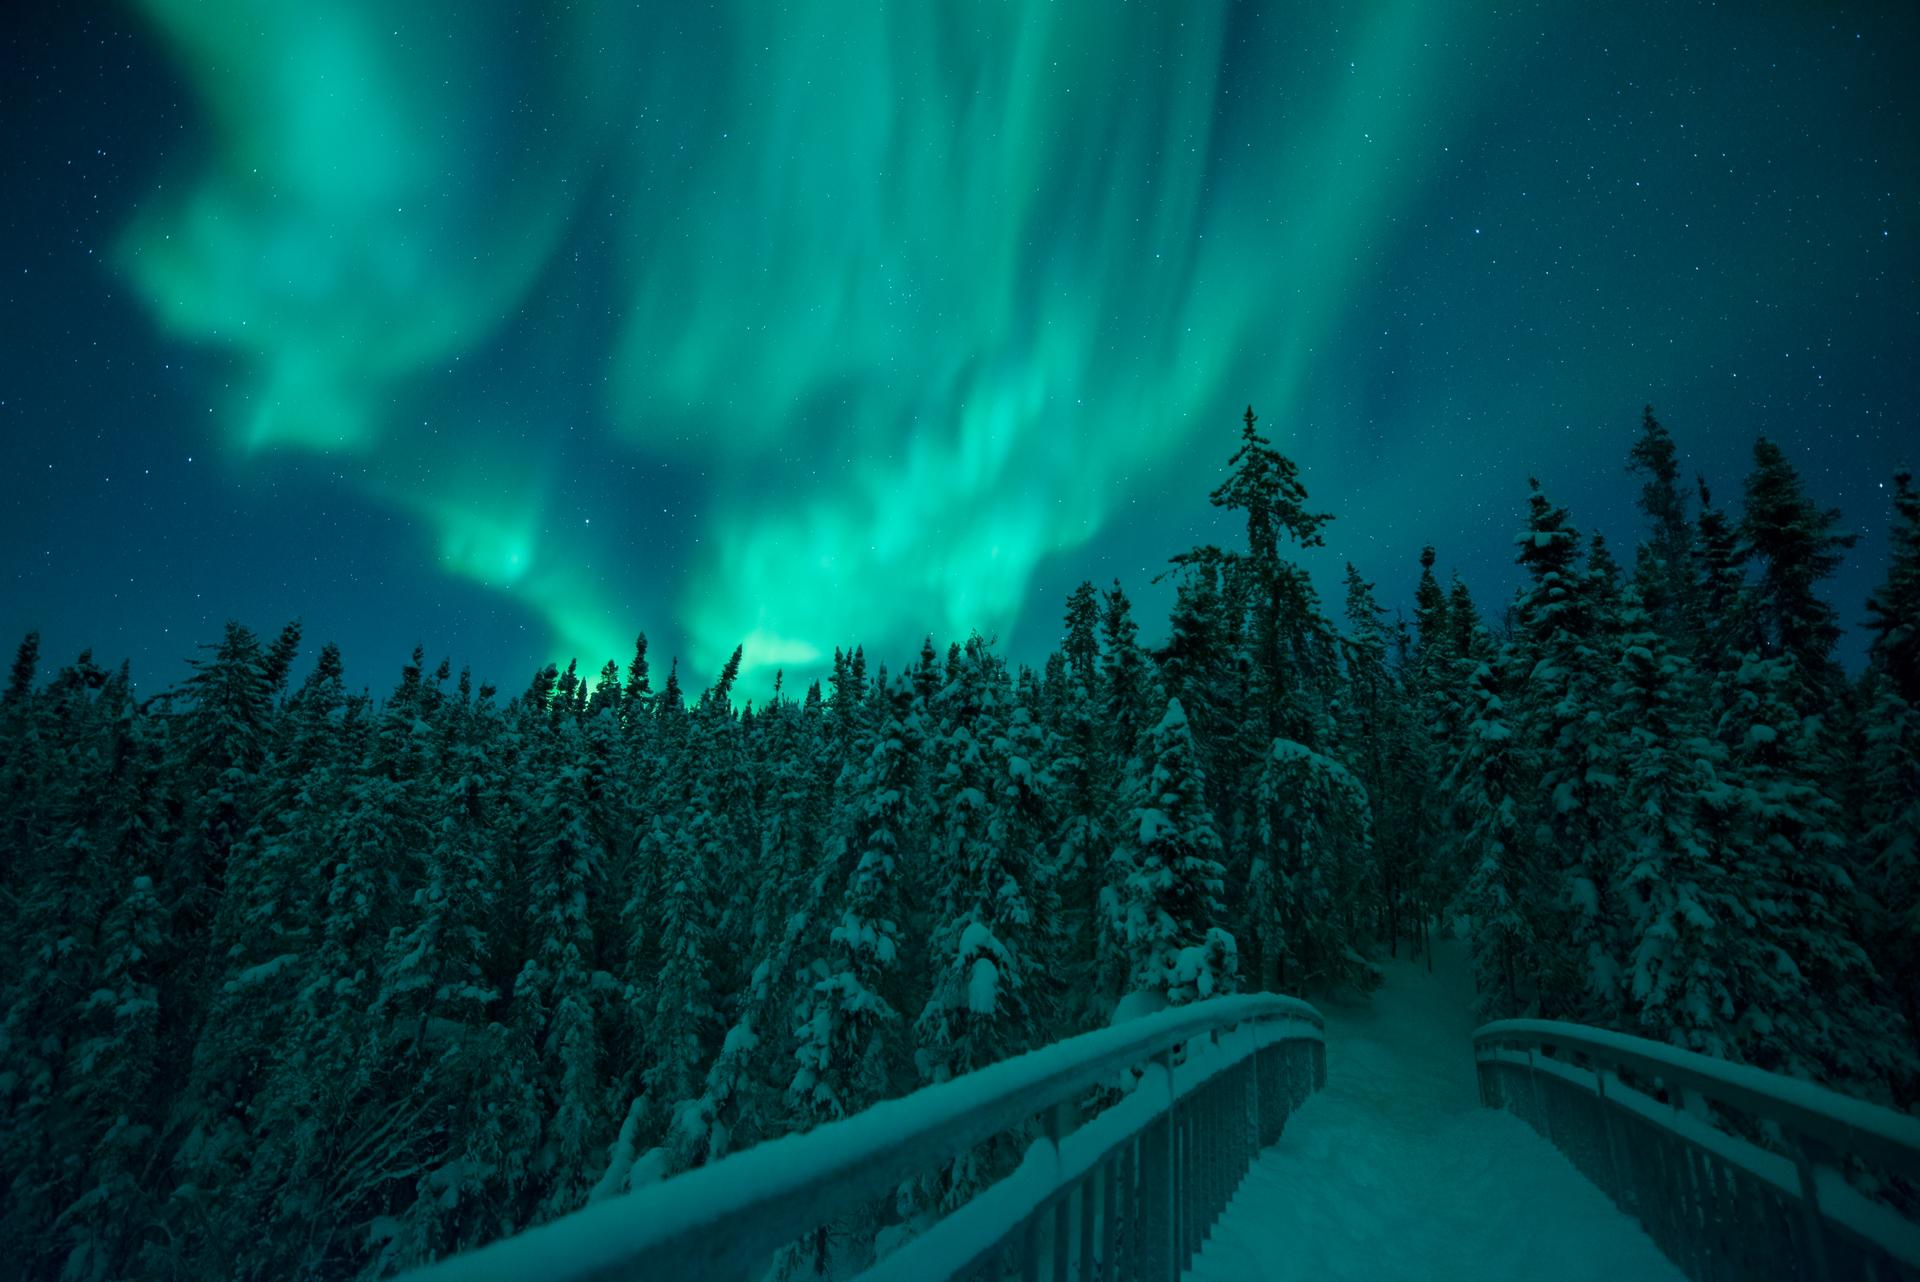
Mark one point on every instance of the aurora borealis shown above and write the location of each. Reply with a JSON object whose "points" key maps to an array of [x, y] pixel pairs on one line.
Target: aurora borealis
{"points": [[516, 330]]}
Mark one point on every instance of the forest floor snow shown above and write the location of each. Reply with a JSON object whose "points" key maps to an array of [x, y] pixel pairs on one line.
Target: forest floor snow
{"points": [[1396, 1172]]}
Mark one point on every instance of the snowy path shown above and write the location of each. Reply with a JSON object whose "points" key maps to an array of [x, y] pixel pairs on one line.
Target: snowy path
{"points": [[1395, 1171]]}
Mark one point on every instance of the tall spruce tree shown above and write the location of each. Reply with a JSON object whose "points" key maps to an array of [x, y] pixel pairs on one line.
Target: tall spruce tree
{"points": [[1128, 696], [850, 1048], [1562, 650], [1795, 545], [1727, 629], [1503, 890], [1420, 838], [1889, 858], [1265, 485], [1811, 1002], [1682, 912], [553, 1007], [1371, 741], [1663, 566]]}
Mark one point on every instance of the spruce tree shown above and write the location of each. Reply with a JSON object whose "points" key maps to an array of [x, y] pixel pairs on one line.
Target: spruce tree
{"points": [[1469, 637], [277, 663], [264, 936], [849, 1048], [225, 739], [1683, 911], [1310, 891], [987, 995], [114, 1079], [1562, 718], [1810, 1003], [1166, 878], [689, 850], [1502, 888], [1664, 564], [20, 677], [1081, 643], [748, 1076], [553, 1010], [1371, 733], [1083, 773], [442, 978], [1727, 629], [1265, 484], [1795, 545], [1417, 822], [1129, 680], [1889, 858], [342, 1127], [1197, 668], [1432, 623]]}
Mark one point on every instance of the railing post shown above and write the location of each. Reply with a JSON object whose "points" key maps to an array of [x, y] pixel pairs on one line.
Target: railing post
{"points": [[1158, 1151], [1253, 1116], [1224, 1115], [1190, 1119], [1684, 1179], [1056, 1128], [1543, 1125], [1233, 1132], [1095, 1175], [1270, 1093], [1814, 1248], [1253, 1095], [1621, 1190], [1182, 1181], [1233, 1112], [1193, 1186], [1110, 1213], [1053, 1127], [1207, 1148]]}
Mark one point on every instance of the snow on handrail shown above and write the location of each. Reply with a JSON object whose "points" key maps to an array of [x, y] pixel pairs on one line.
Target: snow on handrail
{"points": [[719, 1220], [1850, 1125]]}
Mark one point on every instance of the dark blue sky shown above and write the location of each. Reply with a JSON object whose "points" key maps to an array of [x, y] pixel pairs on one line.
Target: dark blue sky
{"points": [[513, 337]]}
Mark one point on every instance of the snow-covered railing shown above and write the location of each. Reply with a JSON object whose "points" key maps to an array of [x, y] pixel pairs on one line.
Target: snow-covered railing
{"points": [[1736, 1172], [1127, 1195]]}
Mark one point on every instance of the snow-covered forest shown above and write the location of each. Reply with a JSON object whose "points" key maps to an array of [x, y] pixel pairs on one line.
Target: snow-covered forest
{"points": [[306, 981]]}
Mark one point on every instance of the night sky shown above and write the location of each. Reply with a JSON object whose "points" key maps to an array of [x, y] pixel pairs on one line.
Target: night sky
{"points": [[515, 330]]}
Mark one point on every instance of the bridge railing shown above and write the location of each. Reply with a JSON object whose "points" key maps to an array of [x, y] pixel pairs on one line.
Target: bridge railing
{"points": [[1126, 1195], [1735, 1172]]}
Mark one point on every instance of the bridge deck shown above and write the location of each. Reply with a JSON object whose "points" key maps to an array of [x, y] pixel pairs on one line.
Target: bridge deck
{"points": [[1395, 1171]]}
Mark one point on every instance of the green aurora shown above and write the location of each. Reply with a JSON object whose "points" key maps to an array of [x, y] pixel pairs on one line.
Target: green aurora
{"points": [[959, 275]]}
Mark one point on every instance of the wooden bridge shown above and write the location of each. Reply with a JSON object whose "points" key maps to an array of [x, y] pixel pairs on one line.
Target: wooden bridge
{"points": [[1229, 1155]]}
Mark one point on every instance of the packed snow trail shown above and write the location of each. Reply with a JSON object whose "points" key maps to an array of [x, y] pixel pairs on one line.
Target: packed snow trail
{"points": [[1394, 1171]]}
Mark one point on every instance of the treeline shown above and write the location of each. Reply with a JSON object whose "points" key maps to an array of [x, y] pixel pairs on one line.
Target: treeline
{"points": [[304, 982]]}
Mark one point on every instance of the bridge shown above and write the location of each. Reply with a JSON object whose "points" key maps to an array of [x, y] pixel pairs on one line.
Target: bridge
{"points": [[1232, 1150]]}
